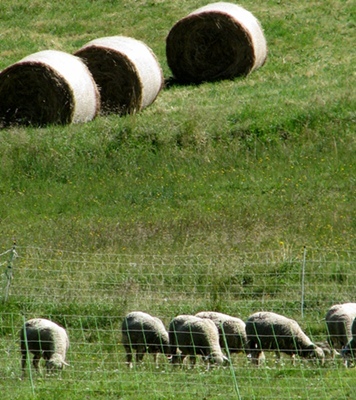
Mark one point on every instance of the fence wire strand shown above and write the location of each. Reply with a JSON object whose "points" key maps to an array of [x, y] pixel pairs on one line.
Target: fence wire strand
{"points": [[90, 294]]}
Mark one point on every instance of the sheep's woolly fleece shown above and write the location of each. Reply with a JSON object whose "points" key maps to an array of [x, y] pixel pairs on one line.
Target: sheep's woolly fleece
{"points": [[231, 330], [194, 335], [271, 331], [339, 319], [138, 324], [48, 338]]}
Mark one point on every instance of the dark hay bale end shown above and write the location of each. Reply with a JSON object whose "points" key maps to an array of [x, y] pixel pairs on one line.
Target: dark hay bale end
{"points": [[126, 71], [48, 87], [217, 41]]}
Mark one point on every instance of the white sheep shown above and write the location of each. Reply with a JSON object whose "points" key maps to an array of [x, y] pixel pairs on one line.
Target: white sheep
{"points": [[46, 339], [338, 321], [348, 353], [193, 336], [143, 333], [231, 330], [267, 331]]}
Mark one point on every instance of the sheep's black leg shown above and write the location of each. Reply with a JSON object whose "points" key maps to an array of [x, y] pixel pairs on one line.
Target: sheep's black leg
{"points": [[129, 351], [36, 360]]}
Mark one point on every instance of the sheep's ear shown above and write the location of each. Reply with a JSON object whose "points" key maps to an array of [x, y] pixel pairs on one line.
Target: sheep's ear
{"points": [[66, 364]]}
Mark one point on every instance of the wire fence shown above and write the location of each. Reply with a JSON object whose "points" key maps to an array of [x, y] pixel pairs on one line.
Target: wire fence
{"points": [[89, 294]]}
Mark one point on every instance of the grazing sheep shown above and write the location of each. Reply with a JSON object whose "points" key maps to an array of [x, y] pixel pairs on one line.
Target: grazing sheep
{"points": [[339, 320], [329, 352], [231, 330], [192, 336], [144, 334], [45, 339], [267, 331], [348, 353]]}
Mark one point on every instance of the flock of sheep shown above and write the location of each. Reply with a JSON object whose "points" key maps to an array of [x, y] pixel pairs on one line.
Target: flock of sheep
{"points": [[211, 335]]}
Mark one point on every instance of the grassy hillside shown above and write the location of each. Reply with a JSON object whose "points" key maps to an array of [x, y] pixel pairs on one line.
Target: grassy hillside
{"points": [[234, 164], [183, 191]]}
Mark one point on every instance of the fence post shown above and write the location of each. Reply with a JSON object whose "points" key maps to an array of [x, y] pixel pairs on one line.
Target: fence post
{"points": [[28, 361], [303, 279], [8, 272], [236, 386]]}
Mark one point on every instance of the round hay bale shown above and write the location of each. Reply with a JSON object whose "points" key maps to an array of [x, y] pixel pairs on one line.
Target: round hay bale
{"points": [[48, 87], [126, 71], [217, 41]]}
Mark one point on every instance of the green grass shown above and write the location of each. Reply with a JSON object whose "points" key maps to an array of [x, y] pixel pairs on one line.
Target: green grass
{"points": [[263, 159], [211, 193]]}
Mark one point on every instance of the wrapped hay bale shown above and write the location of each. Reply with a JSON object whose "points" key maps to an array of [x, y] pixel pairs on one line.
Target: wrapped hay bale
{"points": [[126, 71], [48, 87], [217, 41]]}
